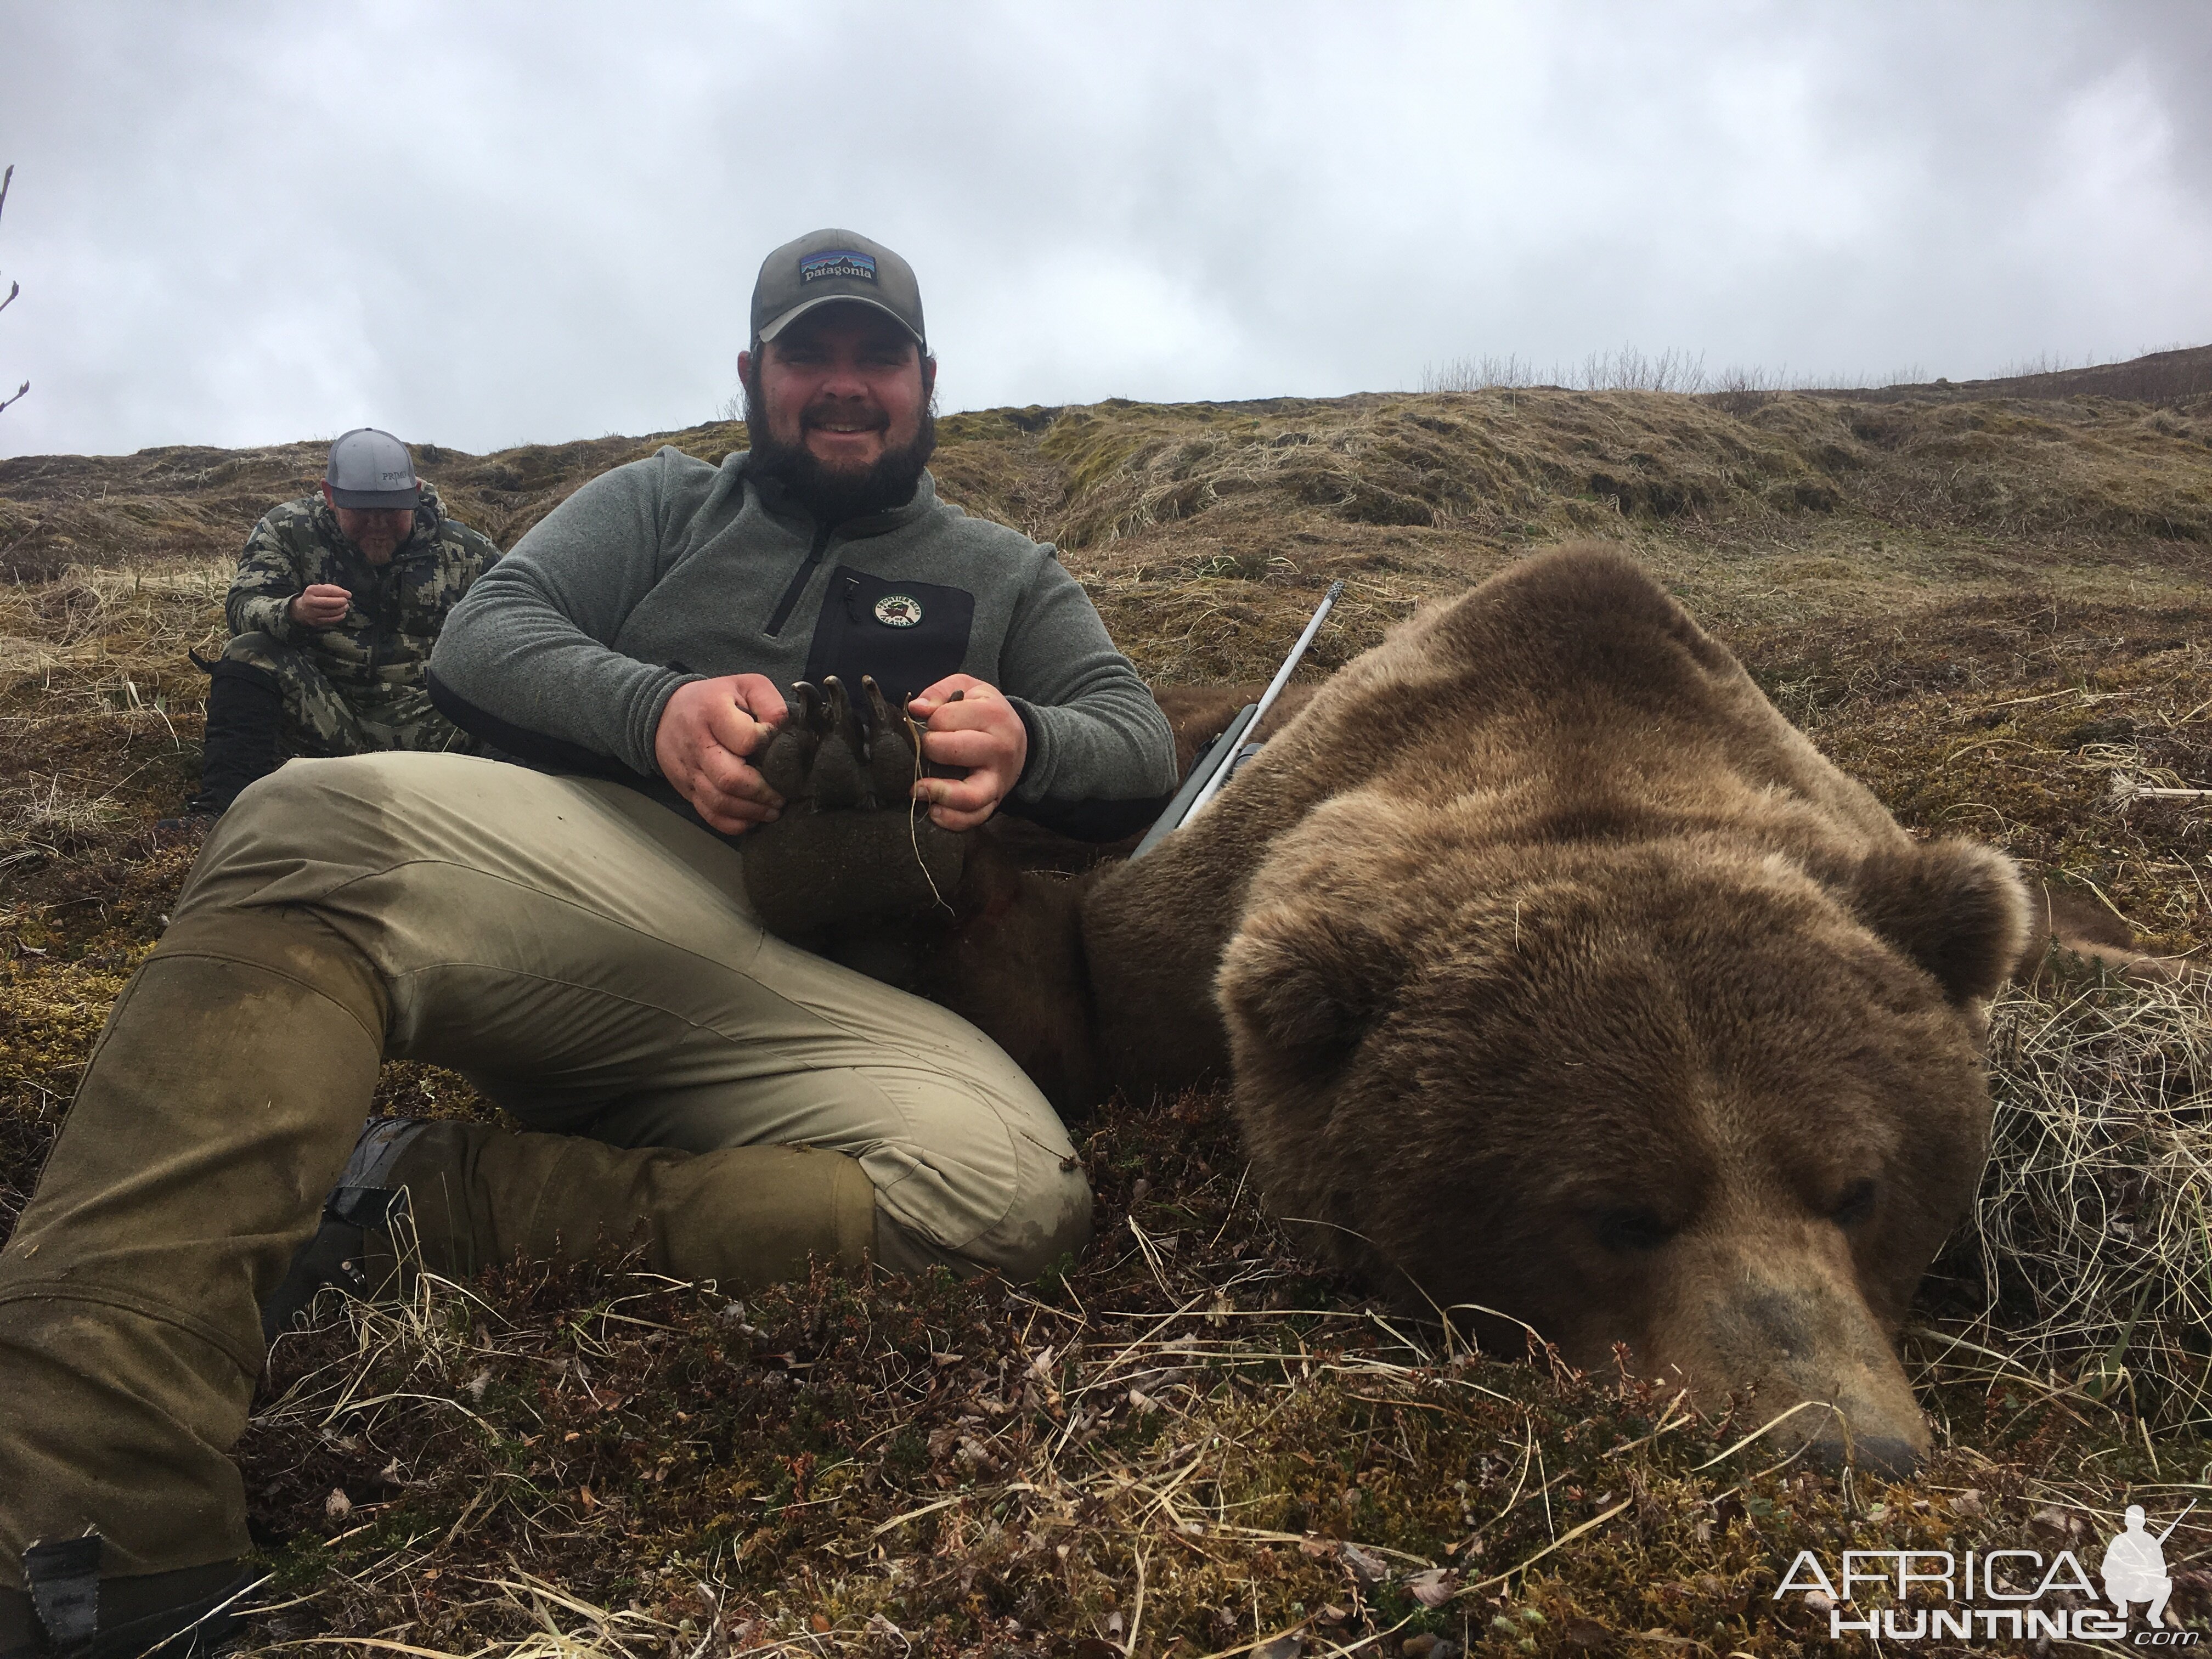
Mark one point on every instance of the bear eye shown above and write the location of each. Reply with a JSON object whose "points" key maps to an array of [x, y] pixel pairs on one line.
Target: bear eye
{"points": [[1855, 1206], [1629, 1231]]}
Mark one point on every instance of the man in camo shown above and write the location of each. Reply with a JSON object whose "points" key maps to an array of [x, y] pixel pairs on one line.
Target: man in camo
{"points": [[335, 604]]}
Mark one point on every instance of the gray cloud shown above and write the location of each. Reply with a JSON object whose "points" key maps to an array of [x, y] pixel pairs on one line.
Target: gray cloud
{"points": [[478, 224]]}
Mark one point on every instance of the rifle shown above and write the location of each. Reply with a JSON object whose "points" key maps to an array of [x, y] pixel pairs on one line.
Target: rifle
{"points": [[2177, 1520], [1218, 760]]}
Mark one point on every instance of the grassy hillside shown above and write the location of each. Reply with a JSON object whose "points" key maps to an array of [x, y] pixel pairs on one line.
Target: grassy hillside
{"points": [[1992, 608]]}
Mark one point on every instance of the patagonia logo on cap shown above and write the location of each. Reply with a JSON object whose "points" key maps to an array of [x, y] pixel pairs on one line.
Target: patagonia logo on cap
{"points": [[815, 266]]}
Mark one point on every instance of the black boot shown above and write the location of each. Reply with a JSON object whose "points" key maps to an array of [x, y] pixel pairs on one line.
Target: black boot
{"points": [[244, 716], [71, 1613], [356, 1221]]}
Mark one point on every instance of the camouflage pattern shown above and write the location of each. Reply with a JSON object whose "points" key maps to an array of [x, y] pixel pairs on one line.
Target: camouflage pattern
{"points": [[355, 687], [320, 720]]}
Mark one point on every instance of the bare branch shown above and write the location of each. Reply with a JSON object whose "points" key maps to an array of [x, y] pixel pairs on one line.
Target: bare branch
{"points": [[14, 288]]}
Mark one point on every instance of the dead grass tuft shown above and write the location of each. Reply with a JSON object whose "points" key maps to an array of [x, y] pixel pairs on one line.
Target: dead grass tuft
{"points": [[2091, 1243]]}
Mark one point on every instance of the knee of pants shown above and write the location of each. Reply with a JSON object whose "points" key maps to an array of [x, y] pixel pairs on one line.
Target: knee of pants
{"points": [[300, 833], [258, 651], [1050, 1219], [291, 813]]}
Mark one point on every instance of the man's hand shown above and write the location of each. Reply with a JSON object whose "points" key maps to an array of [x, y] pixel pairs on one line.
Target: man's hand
{"points": [[982, 733], [706, 731], [323, 605]]}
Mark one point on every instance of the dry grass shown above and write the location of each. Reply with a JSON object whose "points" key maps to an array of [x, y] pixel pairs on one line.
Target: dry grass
{"points": [[2172, 377], [2091, 1241], [1188, 1438], [1994, 611], [114, 641]]}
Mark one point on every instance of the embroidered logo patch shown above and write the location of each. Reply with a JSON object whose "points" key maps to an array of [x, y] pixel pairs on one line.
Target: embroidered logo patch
{"points": [[898, 610], [815, 266]]}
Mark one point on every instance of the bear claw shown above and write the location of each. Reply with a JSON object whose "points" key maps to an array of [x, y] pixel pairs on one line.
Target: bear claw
{"points": [[841, 850], [822, 760]]}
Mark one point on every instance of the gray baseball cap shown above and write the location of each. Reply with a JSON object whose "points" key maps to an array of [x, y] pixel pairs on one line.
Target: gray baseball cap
{"points": [[828, 265], [372, 469]]}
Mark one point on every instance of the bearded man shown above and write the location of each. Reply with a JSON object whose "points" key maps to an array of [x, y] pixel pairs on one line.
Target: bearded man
{"points": [[577, 938]]}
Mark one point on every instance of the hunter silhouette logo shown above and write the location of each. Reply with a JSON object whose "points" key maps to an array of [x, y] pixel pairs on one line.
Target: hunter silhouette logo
{"points": [[2134, 1567], [898, 610], [1999, 1595]]}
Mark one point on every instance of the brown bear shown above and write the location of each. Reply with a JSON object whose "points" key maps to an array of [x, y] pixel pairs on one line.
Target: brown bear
{"points": [[1560, 980], [1560, 983]]}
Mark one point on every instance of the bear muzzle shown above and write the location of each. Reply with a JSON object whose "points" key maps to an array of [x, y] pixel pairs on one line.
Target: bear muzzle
{"points": [[1782, 1324]]}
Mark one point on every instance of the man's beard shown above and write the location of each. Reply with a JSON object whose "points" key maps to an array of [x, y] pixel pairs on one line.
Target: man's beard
{"points": [[831, 496]]}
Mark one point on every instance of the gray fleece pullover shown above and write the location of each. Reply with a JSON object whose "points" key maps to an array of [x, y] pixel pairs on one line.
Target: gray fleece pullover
{"points": [[669, 570]]}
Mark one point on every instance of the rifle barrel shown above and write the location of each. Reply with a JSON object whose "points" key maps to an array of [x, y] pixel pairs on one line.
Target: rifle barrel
{"points": [[2177, 1520], [1267, 701]]}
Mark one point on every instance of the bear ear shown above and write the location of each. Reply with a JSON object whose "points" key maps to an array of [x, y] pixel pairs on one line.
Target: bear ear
{"points": [[1957, 909], [1305, 983]]}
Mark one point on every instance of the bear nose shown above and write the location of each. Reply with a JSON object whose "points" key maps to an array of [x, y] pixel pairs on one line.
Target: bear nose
{"points": [[1887, 1456]]}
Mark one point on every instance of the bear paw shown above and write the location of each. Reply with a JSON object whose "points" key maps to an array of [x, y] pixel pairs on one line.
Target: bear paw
{"points": [[851, 846]]}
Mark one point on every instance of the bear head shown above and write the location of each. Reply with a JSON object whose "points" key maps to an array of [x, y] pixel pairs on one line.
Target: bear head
{"points": [[1716, 1103]]}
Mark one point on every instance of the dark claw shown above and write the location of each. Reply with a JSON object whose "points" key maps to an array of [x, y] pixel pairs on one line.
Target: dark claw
{"points": [[845, 718], [839, 751], [788, 762], [890, 763], [863, 719], [880, 722], [813, 710], [839, 781]]}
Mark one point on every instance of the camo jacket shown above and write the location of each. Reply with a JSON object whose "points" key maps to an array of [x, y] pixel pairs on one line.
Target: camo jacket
{"points": [[398, 609]]}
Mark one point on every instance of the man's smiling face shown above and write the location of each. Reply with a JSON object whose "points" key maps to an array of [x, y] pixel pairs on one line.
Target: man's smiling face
{"points": [[845, 383], [838, 408]]}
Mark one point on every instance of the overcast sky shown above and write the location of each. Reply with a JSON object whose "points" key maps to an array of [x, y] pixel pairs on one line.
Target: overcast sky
{"points": [[480, 223]]}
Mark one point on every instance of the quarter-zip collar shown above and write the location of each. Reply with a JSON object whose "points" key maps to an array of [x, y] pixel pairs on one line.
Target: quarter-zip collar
{"points": [[779, 502]]}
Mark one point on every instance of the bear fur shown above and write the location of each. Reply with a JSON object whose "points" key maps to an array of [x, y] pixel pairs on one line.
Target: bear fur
{"points": [[1561, 984], [1561, 981]]}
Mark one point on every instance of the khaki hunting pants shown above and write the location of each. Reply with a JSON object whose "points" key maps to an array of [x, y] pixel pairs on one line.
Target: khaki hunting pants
{"points": [[584, 956]]}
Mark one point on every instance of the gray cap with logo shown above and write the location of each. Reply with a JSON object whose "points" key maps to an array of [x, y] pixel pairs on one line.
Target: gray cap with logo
{"points": [[830, 265], [372, 470]]}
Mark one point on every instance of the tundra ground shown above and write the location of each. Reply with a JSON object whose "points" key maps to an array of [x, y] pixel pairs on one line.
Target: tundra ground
{"points": [[1992, 611]]}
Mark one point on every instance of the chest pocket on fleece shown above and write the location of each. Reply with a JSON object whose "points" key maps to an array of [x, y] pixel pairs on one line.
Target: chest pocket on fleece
{"points": [[908, 635]]}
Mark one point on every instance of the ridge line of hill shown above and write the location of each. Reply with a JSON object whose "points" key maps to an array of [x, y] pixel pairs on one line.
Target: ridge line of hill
{"points": [[1476, 472], [2155, 377]]}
